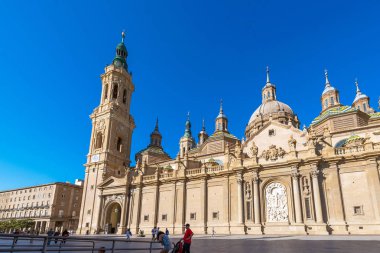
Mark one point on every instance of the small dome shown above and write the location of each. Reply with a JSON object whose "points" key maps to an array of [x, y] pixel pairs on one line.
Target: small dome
{"points": [[327, 89], [360, 96], [269, 107]]}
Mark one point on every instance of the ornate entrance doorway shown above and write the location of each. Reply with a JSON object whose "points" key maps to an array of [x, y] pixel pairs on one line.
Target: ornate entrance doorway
{"points": [[113, 215]]}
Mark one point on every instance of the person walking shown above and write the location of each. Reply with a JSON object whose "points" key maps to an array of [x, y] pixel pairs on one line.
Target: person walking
{"points": [[56, 234], [17, 232], [165, 241], [65, 234], [128, 234], [166, 231], [154, 231], [157, 230], [50, 234], [187, 239]]}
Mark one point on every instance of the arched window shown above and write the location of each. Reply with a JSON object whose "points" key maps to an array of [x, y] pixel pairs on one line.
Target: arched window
{"points": [[99, 140], [332, 100], [115, 91], [219, 126], [119, 144], [326, 103], [125, 96], [364, 107], [268, 94], [106, 91]]}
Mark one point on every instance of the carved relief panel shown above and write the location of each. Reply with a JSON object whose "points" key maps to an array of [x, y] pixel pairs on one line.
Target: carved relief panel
{"points": [[276, 203]]}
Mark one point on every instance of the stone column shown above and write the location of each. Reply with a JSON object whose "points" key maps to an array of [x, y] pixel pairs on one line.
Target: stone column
{"points": [[317, 196], [100, 214], [123, 218], [296, 193], [256, 202], [204, 203], [239, 180]]}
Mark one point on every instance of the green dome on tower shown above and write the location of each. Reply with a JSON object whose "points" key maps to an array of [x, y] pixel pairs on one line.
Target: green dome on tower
{"points": [[120, 59]]}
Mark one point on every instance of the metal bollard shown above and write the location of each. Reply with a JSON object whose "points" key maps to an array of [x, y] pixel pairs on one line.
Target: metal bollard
{"points": [[102, 250]]}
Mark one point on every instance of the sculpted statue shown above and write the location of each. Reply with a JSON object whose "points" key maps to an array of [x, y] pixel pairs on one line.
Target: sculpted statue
{"points": [[238, 150], [253, 150], [292, 143]]}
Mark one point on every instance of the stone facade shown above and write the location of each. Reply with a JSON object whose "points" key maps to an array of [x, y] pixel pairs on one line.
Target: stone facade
{"points": [[55, 205], [323, 179]]}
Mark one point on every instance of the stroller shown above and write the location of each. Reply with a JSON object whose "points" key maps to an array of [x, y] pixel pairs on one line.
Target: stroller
{"points": [[177, 248]]}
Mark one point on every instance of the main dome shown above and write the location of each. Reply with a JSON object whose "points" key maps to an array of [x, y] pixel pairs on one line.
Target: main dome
{"points": [[270, 107]]}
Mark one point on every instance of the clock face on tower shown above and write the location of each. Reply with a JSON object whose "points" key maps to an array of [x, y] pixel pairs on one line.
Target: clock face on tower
{"points": [[95, 158]]}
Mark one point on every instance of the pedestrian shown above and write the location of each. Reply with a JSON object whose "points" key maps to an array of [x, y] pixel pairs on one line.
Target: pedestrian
{"points": [[165, 241], [32, 234], [50, 234], [56, 234], [187, 239], [154, 233], [166, 231], [65, 234], [128, 234], [157, 230], [17, 232], [213, 232]]}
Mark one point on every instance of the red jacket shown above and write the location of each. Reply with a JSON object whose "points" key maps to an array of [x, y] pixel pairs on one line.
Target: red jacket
{"points": [[187, 236]]}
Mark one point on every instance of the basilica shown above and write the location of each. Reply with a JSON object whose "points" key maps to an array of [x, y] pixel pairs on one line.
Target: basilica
{"points": [[279, 179]]}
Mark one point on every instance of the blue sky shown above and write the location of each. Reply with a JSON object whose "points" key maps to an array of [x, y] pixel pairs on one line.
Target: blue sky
{"points": [[184, 55]]}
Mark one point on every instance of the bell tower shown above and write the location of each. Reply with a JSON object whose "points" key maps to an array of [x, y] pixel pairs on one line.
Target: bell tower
{"points": [[110, 141]]}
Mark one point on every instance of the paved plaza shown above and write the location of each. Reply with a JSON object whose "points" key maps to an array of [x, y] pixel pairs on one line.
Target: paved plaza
{"points": [[236, 243]]}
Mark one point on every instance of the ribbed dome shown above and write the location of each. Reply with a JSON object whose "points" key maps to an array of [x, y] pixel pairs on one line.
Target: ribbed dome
{"points": [[270, 107]]}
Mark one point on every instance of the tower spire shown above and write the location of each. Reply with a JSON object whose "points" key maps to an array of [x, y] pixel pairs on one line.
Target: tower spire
{"points": [[357, 86], [122, 36], [327, 78], [203, 125], [156, 127], [268, 80], [221, 106]]}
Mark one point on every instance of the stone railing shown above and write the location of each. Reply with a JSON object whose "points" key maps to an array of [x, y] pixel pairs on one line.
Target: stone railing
{"points": [[166, 175], [193, 171], [349, 150], [215, 168], [150, 177]]}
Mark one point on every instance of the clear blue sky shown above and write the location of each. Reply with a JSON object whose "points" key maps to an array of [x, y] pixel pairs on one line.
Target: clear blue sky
{"points": [[184, 55]]}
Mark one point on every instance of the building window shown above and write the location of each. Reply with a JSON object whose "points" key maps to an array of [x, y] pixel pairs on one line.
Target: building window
{"points": [[326, 103], [215, 215], [193, 216], [271, 132], [89, 211], [115, 91], [92, 187], [358, 210], [307, 208], [74, 213], [99, 140], [364, 107], [332, 100], [125, 96], [87, 224], [119, 144], [106, 91], [146, 218], [60, 213], [164, 217]]}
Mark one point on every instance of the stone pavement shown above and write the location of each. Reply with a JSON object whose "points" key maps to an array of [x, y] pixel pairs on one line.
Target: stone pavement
{"points": [[261, 244]]}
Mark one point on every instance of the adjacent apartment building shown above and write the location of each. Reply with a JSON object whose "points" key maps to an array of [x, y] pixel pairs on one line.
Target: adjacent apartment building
{"points": [[55, 205]]}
